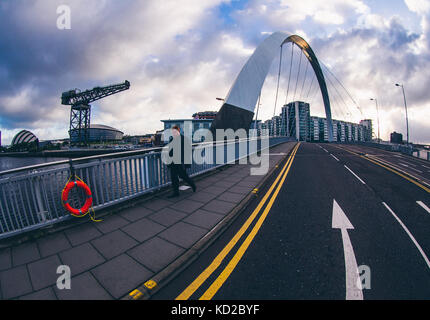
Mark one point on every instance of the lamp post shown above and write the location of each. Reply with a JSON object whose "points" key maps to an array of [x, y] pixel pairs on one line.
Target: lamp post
{"points": [[406, 109], [377, 114]]}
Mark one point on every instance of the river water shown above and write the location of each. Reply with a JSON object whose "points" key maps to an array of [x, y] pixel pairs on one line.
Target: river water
{"points": [[7, 163]]}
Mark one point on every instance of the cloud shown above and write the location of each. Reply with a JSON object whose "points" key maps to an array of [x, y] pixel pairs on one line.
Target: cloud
{"points": [[179, 56], [418, 6]]}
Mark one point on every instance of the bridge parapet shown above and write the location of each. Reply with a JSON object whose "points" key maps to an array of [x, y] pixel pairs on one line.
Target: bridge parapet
{"points": [[30, 197]]}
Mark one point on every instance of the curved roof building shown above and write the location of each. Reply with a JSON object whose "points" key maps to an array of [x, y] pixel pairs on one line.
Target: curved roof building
{"points": [[24, 136], [101, 133]]}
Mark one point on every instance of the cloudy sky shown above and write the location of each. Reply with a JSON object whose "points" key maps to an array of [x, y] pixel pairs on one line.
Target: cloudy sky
{"points": [[179, 55]]}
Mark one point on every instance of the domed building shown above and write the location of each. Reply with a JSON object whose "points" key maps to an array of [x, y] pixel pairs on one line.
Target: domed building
{"points": [[100, 133], [24, 137]]}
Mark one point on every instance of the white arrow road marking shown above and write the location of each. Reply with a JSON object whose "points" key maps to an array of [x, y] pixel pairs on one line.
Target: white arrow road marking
{"points": [[422, 204], [409, 234], [353, 282]]}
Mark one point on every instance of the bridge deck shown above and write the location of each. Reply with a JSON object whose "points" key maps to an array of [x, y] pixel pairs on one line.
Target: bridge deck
{"points": [[109, 259]]}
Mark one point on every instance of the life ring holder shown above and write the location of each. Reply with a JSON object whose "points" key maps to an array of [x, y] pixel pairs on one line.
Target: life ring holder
{"points": [[88, 202], [75, 181]]}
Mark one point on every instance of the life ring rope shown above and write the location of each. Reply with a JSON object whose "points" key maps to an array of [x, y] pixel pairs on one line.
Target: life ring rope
{"points": [[87, 207]]}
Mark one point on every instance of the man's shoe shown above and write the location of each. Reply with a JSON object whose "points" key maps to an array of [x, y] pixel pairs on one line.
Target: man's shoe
{"points": [[173, 195]]}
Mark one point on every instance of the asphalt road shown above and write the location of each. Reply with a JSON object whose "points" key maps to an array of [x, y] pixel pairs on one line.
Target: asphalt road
{"points": [[291, 250]]}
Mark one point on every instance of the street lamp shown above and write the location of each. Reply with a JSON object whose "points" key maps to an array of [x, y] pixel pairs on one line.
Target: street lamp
{"points": [[377, 113], [406, 109]]}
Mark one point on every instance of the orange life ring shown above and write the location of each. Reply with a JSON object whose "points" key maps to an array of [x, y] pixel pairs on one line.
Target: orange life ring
{"points": [[88, 201]]}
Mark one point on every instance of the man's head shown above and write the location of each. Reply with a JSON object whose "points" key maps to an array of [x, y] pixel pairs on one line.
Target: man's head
{"points": [[176, 131]]}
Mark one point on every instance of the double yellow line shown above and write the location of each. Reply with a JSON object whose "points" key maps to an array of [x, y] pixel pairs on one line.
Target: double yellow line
{"points": [[219, 281]]}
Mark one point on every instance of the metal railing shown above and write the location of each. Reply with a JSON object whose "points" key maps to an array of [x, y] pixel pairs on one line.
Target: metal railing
{"points": [[30, 197], [422, 154], [406, 149]]}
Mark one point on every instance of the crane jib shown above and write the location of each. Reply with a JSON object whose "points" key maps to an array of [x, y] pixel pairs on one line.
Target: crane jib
{"points": [[73, 97]]}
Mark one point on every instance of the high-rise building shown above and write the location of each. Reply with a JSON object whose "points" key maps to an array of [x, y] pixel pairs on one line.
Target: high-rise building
{"points": [[296, 119], [367, 124], [276, 125], [396, 137]]}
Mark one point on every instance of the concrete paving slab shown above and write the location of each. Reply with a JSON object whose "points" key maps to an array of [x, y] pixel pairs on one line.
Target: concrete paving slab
{"points": [[187, 205], [5, 259], [43, 273], [53, 244], [15, 282], [111, 223], [81, 258], [156, 204], [25, 253], [156, 253], [167, 216], [202, 196], [218, 206], [44, 294], [83, 287], [143, 229], [204, 219], [214, 190], [114, 243], [231, 197], [121, 275], [135, 213], [183, 234], [82, 233]]}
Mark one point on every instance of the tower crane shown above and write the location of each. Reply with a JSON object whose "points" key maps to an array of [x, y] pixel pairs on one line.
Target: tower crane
{"points": [[80, 111]]}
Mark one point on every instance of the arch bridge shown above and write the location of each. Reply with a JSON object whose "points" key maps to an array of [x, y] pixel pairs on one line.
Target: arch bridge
{"points": [[239, 105]]}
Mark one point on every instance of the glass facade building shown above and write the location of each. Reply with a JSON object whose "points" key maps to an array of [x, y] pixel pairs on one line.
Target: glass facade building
{"points": [[296, 120]]}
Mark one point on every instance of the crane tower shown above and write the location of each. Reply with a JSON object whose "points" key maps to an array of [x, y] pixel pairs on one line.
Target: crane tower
{"points": [[80, 111]]}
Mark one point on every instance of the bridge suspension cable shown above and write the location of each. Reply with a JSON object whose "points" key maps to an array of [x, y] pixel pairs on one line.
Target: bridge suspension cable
{"points": [[304, 79], [347, 92]]}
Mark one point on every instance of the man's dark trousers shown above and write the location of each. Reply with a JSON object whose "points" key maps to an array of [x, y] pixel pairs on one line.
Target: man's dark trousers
{"points": [[178, 171]]}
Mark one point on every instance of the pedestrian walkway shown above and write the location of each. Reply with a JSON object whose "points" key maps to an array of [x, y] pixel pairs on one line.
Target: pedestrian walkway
{"points": [[111, 258]]}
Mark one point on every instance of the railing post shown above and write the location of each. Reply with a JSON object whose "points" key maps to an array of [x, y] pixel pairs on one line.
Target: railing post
{"points": [[42, 213]]}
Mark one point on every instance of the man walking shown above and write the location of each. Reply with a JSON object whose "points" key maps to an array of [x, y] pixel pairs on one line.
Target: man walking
{"points": [[178, 169]]}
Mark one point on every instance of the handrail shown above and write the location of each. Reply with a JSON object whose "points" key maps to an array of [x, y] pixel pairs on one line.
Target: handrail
{"points": [[106, 155], [33, 200]]}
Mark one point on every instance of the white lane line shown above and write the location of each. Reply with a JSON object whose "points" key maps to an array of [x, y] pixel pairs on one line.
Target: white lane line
{"points": [[425, 166], [409, 234], [409, 164], [334, 157], [355, 175], [424, 206], [419, 171], [325, 150]]}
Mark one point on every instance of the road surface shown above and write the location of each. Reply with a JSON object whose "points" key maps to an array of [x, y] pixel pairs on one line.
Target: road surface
{"points": [[331, 224]]}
